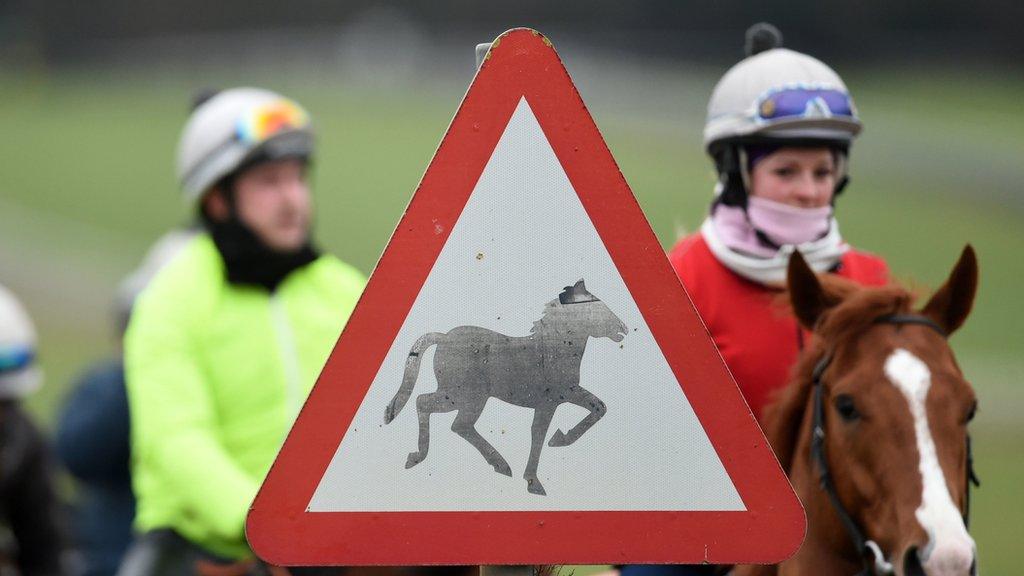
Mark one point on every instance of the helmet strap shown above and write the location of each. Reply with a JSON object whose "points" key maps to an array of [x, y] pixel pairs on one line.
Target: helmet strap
{"points": [[225, 189], [732, 190], [842, 171], [744, 167]]}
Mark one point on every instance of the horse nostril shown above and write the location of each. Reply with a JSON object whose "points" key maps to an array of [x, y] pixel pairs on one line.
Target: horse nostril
{"points": [[974, 567], [912, 563]]}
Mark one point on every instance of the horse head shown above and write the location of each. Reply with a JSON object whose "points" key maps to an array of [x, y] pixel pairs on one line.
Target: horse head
{"points": [[589, 314], [880, 393]]}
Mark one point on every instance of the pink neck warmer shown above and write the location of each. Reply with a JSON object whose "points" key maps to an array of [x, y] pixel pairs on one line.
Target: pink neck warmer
{"points": [[781, 223]]}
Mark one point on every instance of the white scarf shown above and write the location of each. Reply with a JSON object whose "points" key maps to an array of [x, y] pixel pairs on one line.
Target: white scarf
{"points": [[822, 255]]}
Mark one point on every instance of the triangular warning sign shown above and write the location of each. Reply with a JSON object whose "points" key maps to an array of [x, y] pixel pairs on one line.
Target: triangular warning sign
{"points": [[524, 380]]}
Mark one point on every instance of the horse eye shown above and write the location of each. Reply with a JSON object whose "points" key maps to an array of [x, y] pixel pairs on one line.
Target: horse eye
{"points": [[846, 408]]}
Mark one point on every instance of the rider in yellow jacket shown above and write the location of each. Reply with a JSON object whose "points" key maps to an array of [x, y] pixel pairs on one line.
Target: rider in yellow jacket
{"points": [[226, 342]]}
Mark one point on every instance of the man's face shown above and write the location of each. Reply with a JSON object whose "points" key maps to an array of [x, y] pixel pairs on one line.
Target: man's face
{"points": [[273, 199]]}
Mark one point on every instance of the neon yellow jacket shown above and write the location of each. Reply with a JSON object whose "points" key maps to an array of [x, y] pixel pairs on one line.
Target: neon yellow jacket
{"points": [[216, 373]]}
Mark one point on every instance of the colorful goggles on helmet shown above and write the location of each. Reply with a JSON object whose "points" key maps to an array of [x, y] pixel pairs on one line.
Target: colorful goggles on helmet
{"points": [[805, 103], [13, 359], [266, 121]]}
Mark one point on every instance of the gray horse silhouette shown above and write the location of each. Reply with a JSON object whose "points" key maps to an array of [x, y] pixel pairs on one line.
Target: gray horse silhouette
{"points": [[539, 371]]}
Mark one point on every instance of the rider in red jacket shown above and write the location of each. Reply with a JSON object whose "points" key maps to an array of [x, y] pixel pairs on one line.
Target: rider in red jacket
{"points": [[779, 128], [758, 341]]}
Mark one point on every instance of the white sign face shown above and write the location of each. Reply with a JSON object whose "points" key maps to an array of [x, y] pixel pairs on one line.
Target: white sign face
{"points": [[524, 241]]}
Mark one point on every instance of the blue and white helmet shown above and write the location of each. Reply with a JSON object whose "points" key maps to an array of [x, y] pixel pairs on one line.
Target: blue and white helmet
{"points": [[19, 373], [777, 94]]}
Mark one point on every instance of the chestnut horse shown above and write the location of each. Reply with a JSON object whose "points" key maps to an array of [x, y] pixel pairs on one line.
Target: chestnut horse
{"points": [[872, 429]]}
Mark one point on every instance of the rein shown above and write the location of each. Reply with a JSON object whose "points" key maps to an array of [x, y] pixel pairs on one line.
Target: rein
{"points": [[871, 554]]}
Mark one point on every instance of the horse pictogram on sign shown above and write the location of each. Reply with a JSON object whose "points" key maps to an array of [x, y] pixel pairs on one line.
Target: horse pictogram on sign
{"points": [[574, 406], [540, 371]]}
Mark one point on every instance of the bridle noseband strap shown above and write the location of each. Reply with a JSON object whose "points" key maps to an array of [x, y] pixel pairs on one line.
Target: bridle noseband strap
{"points": [[872, 556]]}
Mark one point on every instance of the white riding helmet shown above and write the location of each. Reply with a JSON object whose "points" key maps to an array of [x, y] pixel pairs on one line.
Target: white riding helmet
{"points": [[234, 128], [777, 93], [775, 97], [19, 374]]}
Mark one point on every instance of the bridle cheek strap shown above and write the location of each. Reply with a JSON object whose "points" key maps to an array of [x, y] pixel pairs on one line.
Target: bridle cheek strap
{"points": [[864, 546]]}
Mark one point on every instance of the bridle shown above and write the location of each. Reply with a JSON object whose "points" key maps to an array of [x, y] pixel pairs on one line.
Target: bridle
{"points": [[871, 554]]}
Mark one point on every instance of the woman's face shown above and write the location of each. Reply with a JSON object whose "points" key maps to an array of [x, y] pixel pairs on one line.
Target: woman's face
{"points": [[800, 177]]}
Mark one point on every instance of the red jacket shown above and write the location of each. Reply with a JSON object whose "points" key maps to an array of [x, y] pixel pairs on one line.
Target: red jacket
{"points": [[758, 340]]}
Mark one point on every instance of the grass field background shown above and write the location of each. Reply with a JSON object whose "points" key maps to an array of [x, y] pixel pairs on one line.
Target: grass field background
{"points": [[86, 184]]}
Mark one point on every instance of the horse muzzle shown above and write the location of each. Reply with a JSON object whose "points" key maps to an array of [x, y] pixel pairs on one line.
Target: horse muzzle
{"points": [[952, 559]]}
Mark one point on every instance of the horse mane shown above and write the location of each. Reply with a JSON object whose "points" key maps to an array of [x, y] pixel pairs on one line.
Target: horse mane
{"points": [[855, 309], [551, 309]]}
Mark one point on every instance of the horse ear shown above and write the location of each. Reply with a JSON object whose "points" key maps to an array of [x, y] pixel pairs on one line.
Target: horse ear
{"points": [[952, 302], [580, 285], [806, 294]]}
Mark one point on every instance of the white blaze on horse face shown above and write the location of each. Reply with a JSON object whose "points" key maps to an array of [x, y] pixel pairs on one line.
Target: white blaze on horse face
{"points": [[950, 548]]}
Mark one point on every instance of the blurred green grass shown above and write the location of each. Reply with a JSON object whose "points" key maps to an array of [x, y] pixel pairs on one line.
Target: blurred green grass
{"points": [[87, 184]]}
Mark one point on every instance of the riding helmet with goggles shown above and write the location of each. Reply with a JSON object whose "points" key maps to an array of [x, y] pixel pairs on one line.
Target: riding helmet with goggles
{"points": [[19, 374], [235, 128], [775, 97]]}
